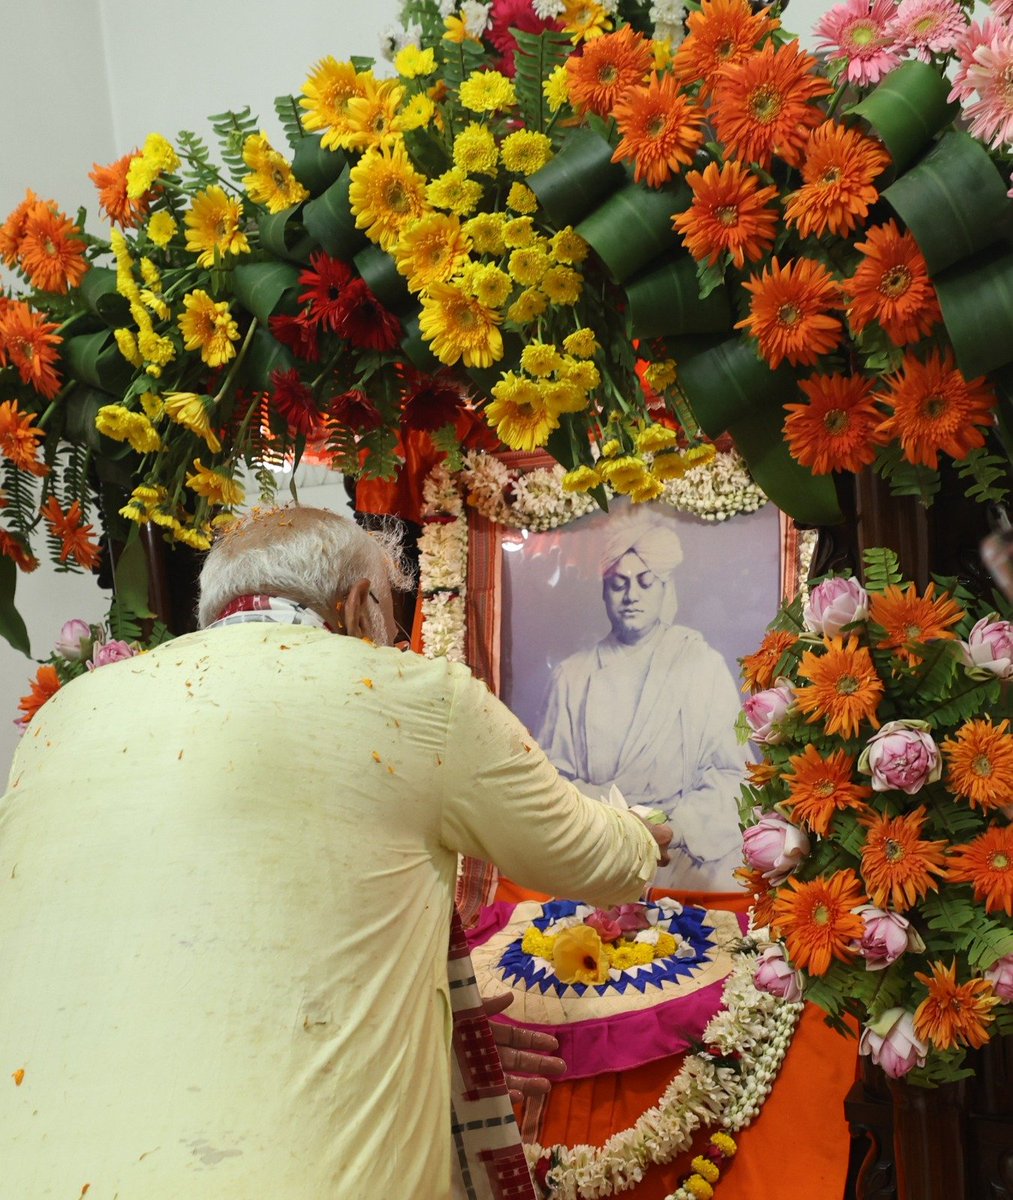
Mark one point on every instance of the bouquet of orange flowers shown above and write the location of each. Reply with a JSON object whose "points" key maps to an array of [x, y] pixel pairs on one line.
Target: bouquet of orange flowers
{"points": [[878, 839]]}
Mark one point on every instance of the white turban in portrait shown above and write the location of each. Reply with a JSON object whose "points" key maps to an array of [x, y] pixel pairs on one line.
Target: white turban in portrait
{"points": [[651, 538]]}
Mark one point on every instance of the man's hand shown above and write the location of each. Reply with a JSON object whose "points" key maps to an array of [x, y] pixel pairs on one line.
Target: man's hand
{"points": [[523, 1050], [662, 834]]}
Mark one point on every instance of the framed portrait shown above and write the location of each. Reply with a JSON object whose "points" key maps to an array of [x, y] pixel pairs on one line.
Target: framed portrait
{"points": [[615, 639]]}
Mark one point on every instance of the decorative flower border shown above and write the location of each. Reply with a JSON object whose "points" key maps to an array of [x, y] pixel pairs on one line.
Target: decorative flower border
{"points": [[754, 1029]]}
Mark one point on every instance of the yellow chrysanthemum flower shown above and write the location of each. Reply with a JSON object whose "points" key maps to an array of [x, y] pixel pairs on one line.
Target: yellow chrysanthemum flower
{"points": [[190, 535], [537, 943], [329, 88], [157, 157], [654, 438], [122, 425], [522, 199], [519, 232], [562, 396], [611, 448], [457, 30], [454, 191], [411, 62], [701, 456], [584, 20], [490, 285], [154, 303], [528, 266], [581, 343], [431, 250], [386, 194], [698, 1188], [650, 488], [193, 412], [157, 351], [568, 247], [416, 114], [528, 306], [629, 954], [459, 327], [208, 326], [126, 343], [668, 466], [216, 486], [370, 120], [486, 232], [213, 223], [703, 1166], [162, 228], [581, 479], [475, 150], [526, 151], [563, 285], [661, 375], [487, 91], [152, 405], [520, 424], [144, 500], [661, 48], [151, 274], [665, 945], [582, 374], [624, 473], [271, 182], [540, 358], [556, 88]]}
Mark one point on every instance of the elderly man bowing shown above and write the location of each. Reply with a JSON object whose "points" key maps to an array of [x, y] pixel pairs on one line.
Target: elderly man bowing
{"points": [[651, 709], [226, 884]]}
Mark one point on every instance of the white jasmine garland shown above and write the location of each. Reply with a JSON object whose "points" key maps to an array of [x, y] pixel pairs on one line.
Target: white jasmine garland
{"points": [[752, 1024], [475, 17], [547, 10]]}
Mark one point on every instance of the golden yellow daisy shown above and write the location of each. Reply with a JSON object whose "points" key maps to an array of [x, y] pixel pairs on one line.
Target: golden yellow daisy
{"points": [[654, 438], [329, 88], [194, 413], [623, 474], [526, 151], [370, 120], [520, 420], [386, 194], [271, 182], [213, 223], [459, 327], [216, 486], [208, 326], [581, 343], [157, 157], [528, 306], [411, 61], [585, 20], [162, 228], [430, 250], [562, 285], [671, 465], [581, 479]]}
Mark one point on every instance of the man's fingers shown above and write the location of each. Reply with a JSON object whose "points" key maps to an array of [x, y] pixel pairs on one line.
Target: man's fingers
{"points": [[496, 1004], [527, 1085], [523, 1039], [527, 1062]]}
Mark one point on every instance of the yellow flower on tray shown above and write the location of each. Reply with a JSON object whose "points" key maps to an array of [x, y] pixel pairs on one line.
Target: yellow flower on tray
{"points": [[579, 957], [538, 943], [629, 954], [271, 181], [213, 222], [208, 326]]}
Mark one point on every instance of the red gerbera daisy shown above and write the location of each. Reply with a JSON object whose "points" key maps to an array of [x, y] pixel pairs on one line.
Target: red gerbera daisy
{"points": [[325, 281], [432, 401], [294, 401], [299, 334], [363, 320], [836, 430], [354, 410], [29, 343]]}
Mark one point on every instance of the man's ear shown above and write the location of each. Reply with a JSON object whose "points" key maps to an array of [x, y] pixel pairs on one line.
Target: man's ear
{"points": [[355, 613]]}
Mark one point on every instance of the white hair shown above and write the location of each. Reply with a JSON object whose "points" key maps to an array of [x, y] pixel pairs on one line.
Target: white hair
{"points": [[310, 555]]}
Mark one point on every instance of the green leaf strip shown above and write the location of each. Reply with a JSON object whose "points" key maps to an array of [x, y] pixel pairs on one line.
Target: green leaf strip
{"points": [[314, 167], [282, 235], [12, 626], [259, 287], [328, 220], [580, 176], [98, 291], [634, 227], [666, 300], [907, 110], [976, 299], [95, 359]]}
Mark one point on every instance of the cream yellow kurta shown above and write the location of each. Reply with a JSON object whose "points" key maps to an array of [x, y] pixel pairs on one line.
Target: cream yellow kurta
{"points": [[226, 876]]}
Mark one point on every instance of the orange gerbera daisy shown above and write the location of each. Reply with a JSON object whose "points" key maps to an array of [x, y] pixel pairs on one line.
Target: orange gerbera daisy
{"points": [[897, 865], [822, 787], [44, 686], [891, 285], [762, 893], [29, 343], [907, 617], [954, 1013], [936, 409], [75, 536], [758, 668], [762, 105], [19, 439], [979, 764], [789, 312], [14, 548], [720, 34], [50, 254], [836, 430], [843, 686], [661, 130], [837, 171], [729, 213], [817, 921], [111, 182], [759, 774], [608, 66], [13, 229], [987, 862]]}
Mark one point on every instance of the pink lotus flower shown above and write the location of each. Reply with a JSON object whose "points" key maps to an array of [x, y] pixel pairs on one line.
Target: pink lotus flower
{"points": [[902, 756], [764, 709], [991, 116], [856, 30], [989, 647], [110, 652], [891, 1043], [927, 27], [775, 975], [774, 847], [1000, 976], [887, 936], [75, 640], [833, 604], [608, 929]]}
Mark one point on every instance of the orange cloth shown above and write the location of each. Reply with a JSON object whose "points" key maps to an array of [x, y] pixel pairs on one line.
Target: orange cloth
{"points": [[796, 1148]]}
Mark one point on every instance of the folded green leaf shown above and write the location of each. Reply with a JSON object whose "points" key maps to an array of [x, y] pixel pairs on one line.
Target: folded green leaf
{"points": [[266, 354], [12, 626], [666, 300], [314, 167], [329, 220], [260, 287], [580, 176], [384, 280], [906, 110], [976, 298], [98, 291], [95, 359], [633, 227], [283, 235]]}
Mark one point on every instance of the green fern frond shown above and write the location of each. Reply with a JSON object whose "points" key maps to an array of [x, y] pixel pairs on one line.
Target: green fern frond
{"points": [[536, 57], [882, 569], [287, 109], [197, 170], [990, 942], [232, 129], [979, 696], [906, 478], [988, 475]]}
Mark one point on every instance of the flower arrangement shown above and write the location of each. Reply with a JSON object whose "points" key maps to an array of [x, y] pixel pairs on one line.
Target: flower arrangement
{"points": [[878, 844]]}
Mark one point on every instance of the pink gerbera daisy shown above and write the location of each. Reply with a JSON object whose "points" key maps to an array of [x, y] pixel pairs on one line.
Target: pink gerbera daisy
{"points": [[974, 35], [991, 116], [927, 27], [856, 31]]}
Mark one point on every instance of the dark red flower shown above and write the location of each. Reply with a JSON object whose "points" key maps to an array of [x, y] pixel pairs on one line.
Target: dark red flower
{"points": [[505, 16], [298, 334], [432, 401], [355, 410], [363, 320], [293, 400], [325, 284]]}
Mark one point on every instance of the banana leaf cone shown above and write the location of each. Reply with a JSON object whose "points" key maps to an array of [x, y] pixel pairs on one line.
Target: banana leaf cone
{"points": [[665, 300], [328, 219], [314, 167], [633, 227], [976, 298], [578, 179], [906, 111], [282, 234]]}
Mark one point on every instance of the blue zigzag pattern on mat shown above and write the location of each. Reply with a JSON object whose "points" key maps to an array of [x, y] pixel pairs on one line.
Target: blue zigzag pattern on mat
{"points": [[518, 967]]}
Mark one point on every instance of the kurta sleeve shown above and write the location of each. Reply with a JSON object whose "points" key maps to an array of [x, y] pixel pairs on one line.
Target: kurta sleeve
{"points": [[505, 802]]}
